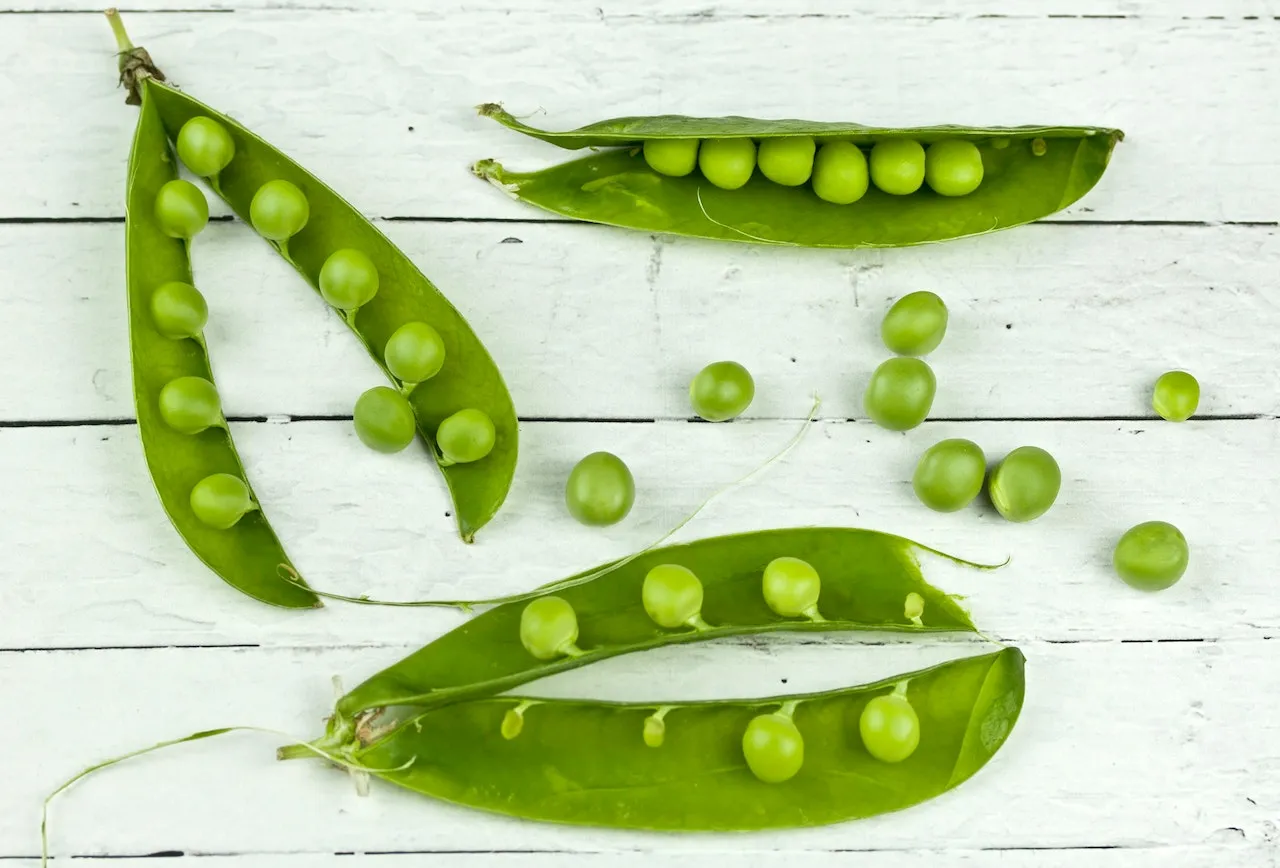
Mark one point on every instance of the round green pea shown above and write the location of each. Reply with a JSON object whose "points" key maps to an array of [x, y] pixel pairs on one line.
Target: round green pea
{"points": [[1176, 396], [181, 209], [1025, 484], [384, 420], [279, 210], [466, 436], [840, 173], [205, 147], [178, 310], [721, 391], [414, 352], [791, 587], [221, 500], [773, 748], [674, 157], [950, 474], [787, 160], [1151, 556], [953, 167], [890, 728], [348, 279], [900, 393], [600, 490], [190, 405], [548, 628], [672, 596], [727, 163], [915, 324], [897, 166]]}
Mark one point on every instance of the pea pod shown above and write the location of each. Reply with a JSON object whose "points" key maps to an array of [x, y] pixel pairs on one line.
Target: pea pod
{"points": [[1027, 173]]}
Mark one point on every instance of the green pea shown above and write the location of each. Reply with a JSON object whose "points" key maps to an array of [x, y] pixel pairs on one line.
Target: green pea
{"points": [[181, 209], [900, 393], [384, 420], [840, 173], [727, 163], [1176, 396], [348, 278], [205, 146], [178, 310], [672, 596], [1039, 147], [221, 500], [190, 405], [915, 324], [655, 730], [721, 391], [414, 353], [1151, 556], [675, 157], [600, 490], [953, 167], [549, 628], [466, 436], [890, 728], [950, 474], [1025, 484], [512, 724], [897, 166], [773, 748], [279, 210], [791, 588], [787, 160]]}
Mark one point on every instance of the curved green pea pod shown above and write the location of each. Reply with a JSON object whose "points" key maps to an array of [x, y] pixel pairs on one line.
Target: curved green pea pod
{"points": [[587, 763], [248, 554], [616, 187], [866, 578]]}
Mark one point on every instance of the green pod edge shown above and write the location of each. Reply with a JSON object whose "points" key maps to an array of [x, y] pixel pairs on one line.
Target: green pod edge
{"points": [[247, 555], [616, 187]]}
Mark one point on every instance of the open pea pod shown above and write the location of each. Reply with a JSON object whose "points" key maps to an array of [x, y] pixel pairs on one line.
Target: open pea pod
{"points": [[1027, 173], [711, 588], [785, 761]]}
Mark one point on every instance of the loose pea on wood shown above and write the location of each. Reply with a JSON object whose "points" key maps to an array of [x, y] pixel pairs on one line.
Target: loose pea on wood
{"points": [[900, 393], [721, 391], [600, 489], [1025, 484]]}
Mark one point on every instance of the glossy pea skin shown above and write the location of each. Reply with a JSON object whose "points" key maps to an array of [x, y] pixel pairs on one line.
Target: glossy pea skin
{"points": [[189, 405], [279, 210], [672, 596], [181, 209], [727, 163], [791, 587], [1025, 484], [414, 352], [787, 160], [890, 728], [384, 420], [915, 324], [949, 474], [953, 167], [600, 490], [674, 157], [348, 279], [178, 310], [721, 391], [773, 748], [548, 628], [466, 436], [897, 166], [1151, 556], [900, 393], [840, 173], [1176, 396], [205, 147], [220, 500]]}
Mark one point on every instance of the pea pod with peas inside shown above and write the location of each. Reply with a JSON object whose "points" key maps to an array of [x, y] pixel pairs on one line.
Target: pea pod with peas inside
{"points": [[819, 184]]}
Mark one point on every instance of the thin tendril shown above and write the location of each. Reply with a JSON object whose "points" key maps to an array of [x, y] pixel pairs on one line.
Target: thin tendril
{"points": [[703, 208]]}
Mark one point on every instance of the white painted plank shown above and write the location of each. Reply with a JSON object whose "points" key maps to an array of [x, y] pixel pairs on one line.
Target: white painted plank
{"points": [[1055, 321], [90, 559], [382, 106], [1132, 746]]}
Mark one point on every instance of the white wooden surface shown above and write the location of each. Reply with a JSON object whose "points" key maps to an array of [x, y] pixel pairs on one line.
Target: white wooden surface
{"points": [[1150, 736]]}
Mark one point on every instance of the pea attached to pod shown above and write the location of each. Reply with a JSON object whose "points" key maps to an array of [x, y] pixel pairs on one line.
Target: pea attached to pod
{"points": [[674, 157], [953, 167], [549, 628], [178, 310], [791, 588], [727, 163], [466, 436], [279, 211], [897, 166], [414, 353], [205, 147], [383, 419], [348, 279], [840, 173], [181, 209], [221, 500], [672, 597], [890, 727], [190, 405], [773, 746], [787, 160]]}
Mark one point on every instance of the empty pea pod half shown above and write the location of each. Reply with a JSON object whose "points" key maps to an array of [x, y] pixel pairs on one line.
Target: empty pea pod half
{"points": [[808, 183]]}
